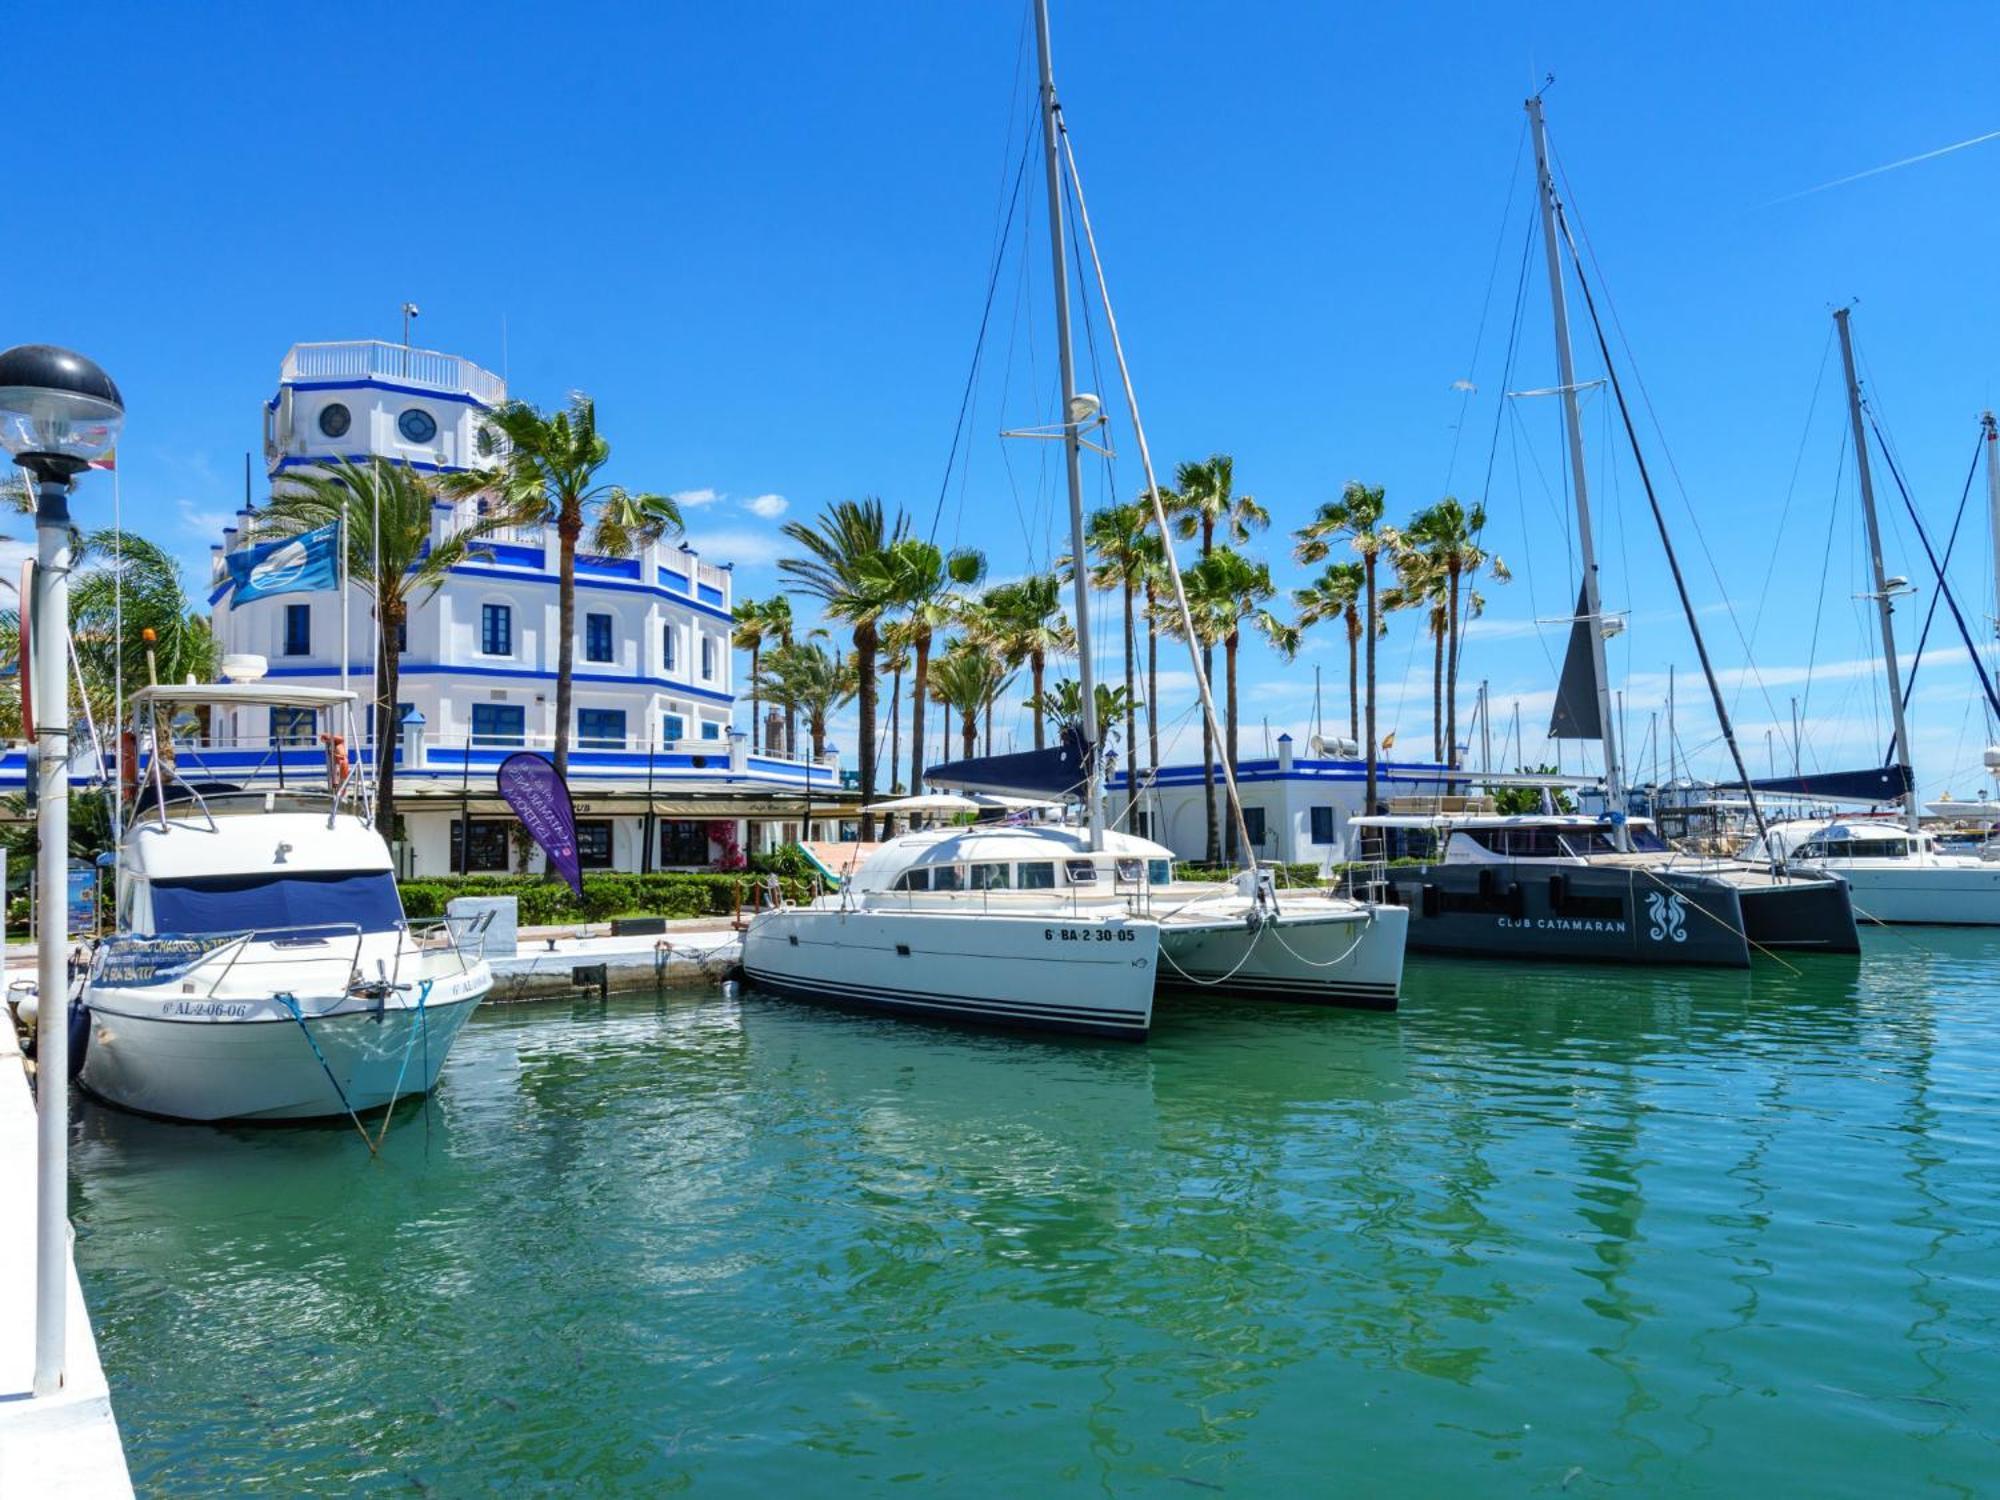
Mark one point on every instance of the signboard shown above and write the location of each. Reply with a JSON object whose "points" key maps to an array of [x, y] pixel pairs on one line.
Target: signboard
{"points": [[82, 899], [131, 961], [540, 799]]}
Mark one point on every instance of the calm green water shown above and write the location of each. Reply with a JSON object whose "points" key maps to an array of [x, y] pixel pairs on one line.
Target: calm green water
{"points": [[1565, 1231]]}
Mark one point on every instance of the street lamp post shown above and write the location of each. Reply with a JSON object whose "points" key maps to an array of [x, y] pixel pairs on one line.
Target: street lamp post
{"points": [[58, 411]]}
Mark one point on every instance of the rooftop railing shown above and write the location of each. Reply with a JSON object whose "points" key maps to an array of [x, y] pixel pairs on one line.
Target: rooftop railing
{"points": [[364, 359]]}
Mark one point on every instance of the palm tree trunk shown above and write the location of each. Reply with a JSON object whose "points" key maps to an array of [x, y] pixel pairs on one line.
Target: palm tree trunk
{"points": [[1229, 727], [1353, 676], [569, 526], [756, 718], [386, 728], [989, 721], [1152, 685], [864, 661], [1451, 676], [895, 715], [922, 683], [1212, 848], [1036, 661], [1368, 800], [944, 740], [1131, 714], [969, 729], [1437, 692], [816, 727]]}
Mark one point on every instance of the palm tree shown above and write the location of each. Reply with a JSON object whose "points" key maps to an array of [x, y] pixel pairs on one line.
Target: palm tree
{"points": [[752, 629], [894, 658], [1336, 594], [922, 582], [1124, 549], [842, 569], [1449, 535], [1223, 590], [550, 476], [811, 680], [1356, 516], [1024, 622], [155, 599], [391, 557], [968, 678], [777, 613]]}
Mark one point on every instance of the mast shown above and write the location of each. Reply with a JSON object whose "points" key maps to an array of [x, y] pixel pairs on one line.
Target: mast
{"points": [[1593, 606], [1993, 497], [1072, 434], [1884, 603]]}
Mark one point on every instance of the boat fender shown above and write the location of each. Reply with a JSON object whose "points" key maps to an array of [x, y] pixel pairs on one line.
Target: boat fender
{"points": [[336, 761], [1433, 904], [1488, 885], [1517, 901], [1558, 891], [128, 766], [79, 1036]]}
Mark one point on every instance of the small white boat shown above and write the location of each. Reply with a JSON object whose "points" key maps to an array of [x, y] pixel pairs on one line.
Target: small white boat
{"points": [[263, 968]]}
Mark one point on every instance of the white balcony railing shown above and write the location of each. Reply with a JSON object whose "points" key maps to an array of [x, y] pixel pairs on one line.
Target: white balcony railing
{"points": [[714, 577], [363, 359]]}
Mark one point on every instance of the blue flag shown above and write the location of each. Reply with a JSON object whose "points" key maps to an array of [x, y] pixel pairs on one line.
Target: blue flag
{"points": [[298, 564]]}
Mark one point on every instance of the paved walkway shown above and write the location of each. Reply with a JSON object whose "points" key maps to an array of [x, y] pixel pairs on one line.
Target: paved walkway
{"points": [[64, 1445]]}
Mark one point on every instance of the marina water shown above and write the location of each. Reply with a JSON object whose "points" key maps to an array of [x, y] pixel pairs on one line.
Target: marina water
{"points": [[1562, 1230]]}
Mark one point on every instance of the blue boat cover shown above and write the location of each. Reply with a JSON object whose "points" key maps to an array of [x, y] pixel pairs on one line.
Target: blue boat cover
{"points": [[257, 903]]}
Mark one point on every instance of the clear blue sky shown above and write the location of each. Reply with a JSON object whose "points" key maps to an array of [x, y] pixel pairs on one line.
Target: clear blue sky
{"points": [[760, 237]]}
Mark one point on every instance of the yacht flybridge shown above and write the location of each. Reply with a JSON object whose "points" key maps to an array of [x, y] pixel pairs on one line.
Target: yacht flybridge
{"points": [[262, 967], [1051, 926]]}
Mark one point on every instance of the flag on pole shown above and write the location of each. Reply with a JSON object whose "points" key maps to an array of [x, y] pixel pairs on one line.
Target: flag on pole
{"points": [[108, 459], [299, 564], [540, 798]]}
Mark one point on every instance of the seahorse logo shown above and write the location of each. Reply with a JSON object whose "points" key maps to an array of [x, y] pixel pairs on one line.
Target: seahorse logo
{"points": [[1667, 911]]}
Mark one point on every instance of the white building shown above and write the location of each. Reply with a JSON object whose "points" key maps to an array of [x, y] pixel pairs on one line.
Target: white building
{"points": [[1297, 810], [654, 759]]}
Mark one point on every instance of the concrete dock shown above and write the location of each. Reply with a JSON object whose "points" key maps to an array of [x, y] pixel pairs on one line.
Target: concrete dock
{"points": [[58, 1445], [549, 961]]}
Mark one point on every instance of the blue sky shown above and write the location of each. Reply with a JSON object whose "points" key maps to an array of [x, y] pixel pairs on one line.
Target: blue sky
{"points": [[760, 236]]}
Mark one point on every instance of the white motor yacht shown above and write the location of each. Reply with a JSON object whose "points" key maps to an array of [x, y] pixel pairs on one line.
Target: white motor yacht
{"points": [[263, 968], [1897, 874]]}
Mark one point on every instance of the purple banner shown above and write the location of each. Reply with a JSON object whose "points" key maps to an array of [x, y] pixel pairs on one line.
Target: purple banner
{"points": [[540, 799]]}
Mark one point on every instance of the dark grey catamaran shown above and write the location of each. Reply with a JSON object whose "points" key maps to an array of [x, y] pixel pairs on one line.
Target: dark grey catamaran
{"points": [[1606, 889]]}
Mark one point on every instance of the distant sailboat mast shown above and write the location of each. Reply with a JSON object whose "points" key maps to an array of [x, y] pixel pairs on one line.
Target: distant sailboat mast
{"points": [[1590, 614], [1073, 417], [1884, 600], [1993, 501]]}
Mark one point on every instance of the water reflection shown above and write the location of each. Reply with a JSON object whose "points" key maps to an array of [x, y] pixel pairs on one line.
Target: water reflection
{"points": [[1689, 1230]]}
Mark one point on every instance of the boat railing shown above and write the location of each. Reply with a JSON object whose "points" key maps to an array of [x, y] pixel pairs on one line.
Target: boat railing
{"points": [[228, 954], [468, 947]]}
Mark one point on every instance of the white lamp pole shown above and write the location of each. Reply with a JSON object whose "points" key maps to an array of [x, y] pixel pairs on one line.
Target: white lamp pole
{"points": [[58, 411]]}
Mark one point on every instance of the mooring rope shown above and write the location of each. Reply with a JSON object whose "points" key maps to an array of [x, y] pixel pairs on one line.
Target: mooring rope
{"points": [[409, 1045], [291, 1003]]}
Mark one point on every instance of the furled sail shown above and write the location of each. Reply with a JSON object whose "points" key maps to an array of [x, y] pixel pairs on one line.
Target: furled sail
{"points": [[1875, 784], [1058, 771], [1575, 716]]}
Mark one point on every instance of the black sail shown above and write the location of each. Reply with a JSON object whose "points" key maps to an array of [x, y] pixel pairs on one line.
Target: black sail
{"points": [[1575, 716]]}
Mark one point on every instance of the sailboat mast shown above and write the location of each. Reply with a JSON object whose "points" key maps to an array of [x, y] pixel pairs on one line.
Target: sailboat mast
{"points": [[1993, 499], [1884, 604], [1593, 605], [1072, 433]]}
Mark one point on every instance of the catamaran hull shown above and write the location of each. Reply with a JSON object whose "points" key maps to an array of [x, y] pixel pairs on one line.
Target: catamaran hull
{"points": [[1349, 958], [237, 1060], [1814, 915], [1092, 975], [1571, 912]]}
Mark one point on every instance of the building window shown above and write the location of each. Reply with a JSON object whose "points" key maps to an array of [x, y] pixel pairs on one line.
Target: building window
{"points": [[1322, 825], [395, 724], [417, 425], [499, 724], [487, 853], [707, 657], [683, 843], [710, 730], [600, 728], [292, 726], [402, 637], [667, 635], [335, 419], [1253, 824], [298, 630], [593, 843], [673, 729], [496, 630], [597, 638]]}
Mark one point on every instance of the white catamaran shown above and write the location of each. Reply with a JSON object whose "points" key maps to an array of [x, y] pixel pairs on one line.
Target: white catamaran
{"points": [[1054, 927]]}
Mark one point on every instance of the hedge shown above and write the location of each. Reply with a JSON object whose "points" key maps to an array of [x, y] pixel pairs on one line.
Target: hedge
{"points": [[544, 902], [1287, 874]]}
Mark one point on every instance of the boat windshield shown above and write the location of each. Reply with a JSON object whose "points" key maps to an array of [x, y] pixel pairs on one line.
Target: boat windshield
{"points": [[247, 903]]}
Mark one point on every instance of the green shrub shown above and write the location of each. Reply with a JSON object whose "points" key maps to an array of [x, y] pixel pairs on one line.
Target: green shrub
{"points": [[551, 903], [1288, 874]]}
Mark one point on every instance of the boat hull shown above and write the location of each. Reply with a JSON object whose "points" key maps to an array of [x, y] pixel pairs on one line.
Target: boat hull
{"points": [[1086, 974], [1812, 916], [1350, 958], [239, 1059], [1934, 895], [1580, 913]]}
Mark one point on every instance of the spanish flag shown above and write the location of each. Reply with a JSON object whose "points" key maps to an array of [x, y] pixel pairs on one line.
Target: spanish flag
{"points": [[108, 461]]}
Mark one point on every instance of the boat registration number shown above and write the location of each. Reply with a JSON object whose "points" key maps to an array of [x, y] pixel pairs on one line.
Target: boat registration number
{"points": [[1089, 935]]}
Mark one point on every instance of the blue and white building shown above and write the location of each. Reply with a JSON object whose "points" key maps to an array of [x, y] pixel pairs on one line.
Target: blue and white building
{"points": [[662, 777]]}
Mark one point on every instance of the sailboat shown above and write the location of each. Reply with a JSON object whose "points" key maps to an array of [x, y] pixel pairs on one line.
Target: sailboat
{"points": [[1597, 888], [1898, 872], [1048, 925]]}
